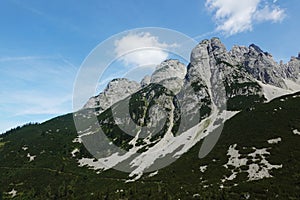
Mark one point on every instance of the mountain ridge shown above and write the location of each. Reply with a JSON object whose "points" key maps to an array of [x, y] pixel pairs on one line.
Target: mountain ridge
{"points": [[252, 58], [242, 93], [213, 84]]}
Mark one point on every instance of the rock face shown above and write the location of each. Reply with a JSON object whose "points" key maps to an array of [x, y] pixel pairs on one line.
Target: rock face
{"points": [[115, 91], [167, 70], [292, 69], [145, 81], [221, 70], [264, 68], [215, 80], [238, 52], [170, 74], [211, 71]]}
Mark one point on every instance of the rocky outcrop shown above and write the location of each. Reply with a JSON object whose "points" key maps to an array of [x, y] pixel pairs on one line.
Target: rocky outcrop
{"points": [[167, 70], [145, 81], [238, 53], [116, 90], [262, 67], [211, 71], [170, 74], [223, 73], [292, 68]]}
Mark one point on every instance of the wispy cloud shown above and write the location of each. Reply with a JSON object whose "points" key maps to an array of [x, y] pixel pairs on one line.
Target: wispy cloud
{"points": [[33, 88], [23, 58], [270, 13], [232, 16], [38, 103], [68, 62]]}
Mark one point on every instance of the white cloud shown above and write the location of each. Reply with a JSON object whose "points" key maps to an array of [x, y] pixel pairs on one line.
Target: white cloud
{"points": [[274, 14], [141, 49], [234, 16]]}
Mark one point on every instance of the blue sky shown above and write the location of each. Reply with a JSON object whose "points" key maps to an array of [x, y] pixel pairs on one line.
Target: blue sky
{"points": [[43, 43]]}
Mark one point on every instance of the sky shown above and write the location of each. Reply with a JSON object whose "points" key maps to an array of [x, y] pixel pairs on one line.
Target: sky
{"points": [[44, 43]]}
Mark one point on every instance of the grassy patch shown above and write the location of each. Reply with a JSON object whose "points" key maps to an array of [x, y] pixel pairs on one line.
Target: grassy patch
{"points": [[2, 144]]}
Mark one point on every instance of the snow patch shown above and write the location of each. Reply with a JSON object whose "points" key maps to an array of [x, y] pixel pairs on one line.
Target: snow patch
{"points": [[13, 193], [274, 141], [296, 96], [153, 174], [106, 162], [292, 85], [76, 150], [31, 158], [296, 132], [271, 92], [77, 140], [232, 176], [92, 163], [24, 148], [234, 157], [167, 145], [119, 191], [203, 168], [255, 171]]}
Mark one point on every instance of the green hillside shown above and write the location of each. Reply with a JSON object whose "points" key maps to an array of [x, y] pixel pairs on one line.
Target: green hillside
{"points": [[54, 173]]}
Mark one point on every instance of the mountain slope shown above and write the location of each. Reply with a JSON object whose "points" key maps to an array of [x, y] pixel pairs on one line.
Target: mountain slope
{"points": [[163, 125], [54, 172]]}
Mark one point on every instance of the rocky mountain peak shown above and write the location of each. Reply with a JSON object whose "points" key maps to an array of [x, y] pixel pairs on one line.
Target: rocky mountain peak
{"points": [[263, 67], [121, 83], [217, 47], [170, 74], [116, 90], [145, 81], [256, 48], [207, 59], [212, 46], [216, 81], [199, 62], [168, 69], [292, 68], [238, 53]]}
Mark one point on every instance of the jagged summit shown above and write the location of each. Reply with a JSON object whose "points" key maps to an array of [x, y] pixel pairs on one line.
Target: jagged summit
{"points": [[146, 80], [116, 90], [170, 73], [256, 48], [168, 69], [249, 64]]}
